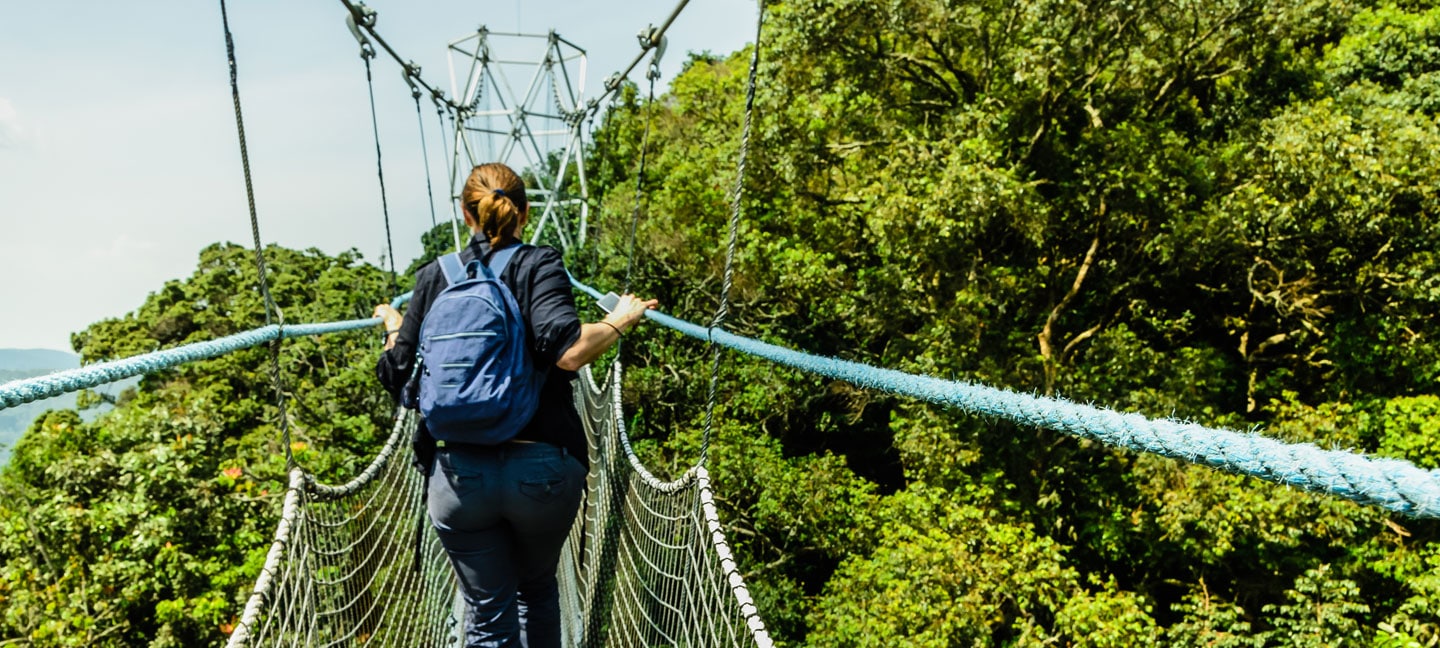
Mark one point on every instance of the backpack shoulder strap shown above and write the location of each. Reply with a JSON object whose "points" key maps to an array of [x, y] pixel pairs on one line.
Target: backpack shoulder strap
{"points": [[501, 258], [452, 268]]}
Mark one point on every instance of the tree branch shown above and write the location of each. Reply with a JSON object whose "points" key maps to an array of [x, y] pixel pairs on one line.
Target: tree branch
{"points": [[922, 74], [967, 82], [1046, 334]]}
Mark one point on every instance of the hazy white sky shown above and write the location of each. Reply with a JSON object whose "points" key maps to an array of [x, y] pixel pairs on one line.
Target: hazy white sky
{"points": [[118, 153]]}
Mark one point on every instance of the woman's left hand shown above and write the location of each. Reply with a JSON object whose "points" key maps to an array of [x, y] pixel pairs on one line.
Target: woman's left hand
{"points": [[391, 319]]}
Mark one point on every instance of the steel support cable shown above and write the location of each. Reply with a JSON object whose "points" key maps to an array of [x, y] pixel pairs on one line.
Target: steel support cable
{"points": [[367, 53], [652, 75], [612, 82], [440, 112], [361, 21], [364, 18], [412, 71], [270, 306], [1392, 484], [722, 310]]}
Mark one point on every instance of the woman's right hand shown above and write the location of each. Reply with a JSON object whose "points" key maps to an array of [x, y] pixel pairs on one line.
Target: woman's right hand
{"points": [[629, 310], [597, 337]]}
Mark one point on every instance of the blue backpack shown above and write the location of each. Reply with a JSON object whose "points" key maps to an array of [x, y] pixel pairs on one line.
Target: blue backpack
{"points": [[477, 382]]}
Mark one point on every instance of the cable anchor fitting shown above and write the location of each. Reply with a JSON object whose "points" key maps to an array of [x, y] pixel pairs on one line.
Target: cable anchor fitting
{"points": [[361, 15], [411, 72], [612, 82], [652, 38]]}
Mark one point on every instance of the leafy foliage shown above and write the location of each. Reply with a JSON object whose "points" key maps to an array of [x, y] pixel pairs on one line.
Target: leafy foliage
{"points": [[1221, 211], [148, 526]]}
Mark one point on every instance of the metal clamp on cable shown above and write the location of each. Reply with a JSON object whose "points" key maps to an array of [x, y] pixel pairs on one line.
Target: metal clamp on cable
{"points": [[647, 37], [652, 38], [361, 15], [410, 72], [654, 72]]}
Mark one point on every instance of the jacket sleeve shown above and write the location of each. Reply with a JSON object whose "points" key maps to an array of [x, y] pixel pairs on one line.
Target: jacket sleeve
{"points": [[394, 367], [554, 324]]}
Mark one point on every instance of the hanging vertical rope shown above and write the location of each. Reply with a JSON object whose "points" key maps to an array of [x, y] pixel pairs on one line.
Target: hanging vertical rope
{"points": [[424, 150], [723, 309], [653, 74], [270, 306], [367, 54], [450, 192]]}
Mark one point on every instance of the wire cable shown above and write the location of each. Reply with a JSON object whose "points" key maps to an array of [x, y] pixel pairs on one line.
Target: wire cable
{"points": [[640, 180], [612, 83], [412, 71], [366, 55], [364, 19], [451, 157]]}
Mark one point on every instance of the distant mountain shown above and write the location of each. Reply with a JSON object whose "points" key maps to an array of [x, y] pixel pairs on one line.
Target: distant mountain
{"points": [[37, 360]]}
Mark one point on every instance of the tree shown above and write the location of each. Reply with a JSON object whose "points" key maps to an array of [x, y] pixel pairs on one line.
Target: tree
{"points": [[1215, 211], [149, 525]]}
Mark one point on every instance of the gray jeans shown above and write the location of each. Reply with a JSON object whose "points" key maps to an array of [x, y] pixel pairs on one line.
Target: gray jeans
{"points": [[503, 513]]}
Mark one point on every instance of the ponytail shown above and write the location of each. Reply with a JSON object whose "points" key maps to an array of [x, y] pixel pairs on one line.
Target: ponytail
{"points": [[495, 196]]}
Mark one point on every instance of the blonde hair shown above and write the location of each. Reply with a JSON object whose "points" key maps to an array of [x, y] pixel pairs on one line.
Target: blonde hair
{"points": [[495, 196]]}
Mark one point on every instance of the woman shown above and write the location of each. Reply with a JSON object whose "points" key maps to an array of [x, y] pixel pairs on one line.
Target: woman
{"points": [[503, 512]]}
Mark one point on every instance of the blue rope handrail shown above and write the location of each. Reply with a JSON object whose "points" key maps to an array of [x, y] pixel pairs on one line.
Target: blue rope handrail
{"points": [[19, 392], [1392, 484]]}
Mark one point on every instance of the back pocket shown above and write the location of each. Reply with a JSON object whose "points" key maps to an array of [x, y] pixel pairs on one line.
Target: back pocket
{"points": [[548, 484]]}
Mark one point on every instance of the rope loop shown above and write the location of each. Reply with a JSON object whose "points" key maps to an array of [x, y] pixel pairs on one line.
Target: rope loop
{"points": [[269, 301]]}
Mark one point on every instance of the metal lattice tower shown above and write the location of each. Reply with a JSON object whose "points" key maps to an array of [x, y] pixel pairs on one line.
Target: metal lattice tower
{"points": [[538, 131]]}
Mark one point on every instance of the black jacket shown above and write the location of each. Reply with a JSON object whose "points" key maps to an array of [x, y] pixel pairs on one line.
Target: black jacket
{"points": [[537, 277]]}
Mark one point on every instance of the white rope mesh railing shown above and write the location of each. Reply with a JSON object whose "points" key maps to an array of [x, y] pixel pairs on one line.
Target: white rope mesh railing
{"points": [[342, 570], [650, 565], [646, 564]]}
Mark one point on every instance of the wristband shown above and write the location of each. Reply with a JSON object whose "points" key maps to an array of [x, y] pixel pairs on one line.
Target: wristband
{"points": [[617, 329]]}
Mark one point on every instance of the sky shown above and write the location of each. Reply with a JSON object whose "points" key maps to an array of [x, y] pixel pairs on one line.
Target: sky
{"points": [[119, 159]]}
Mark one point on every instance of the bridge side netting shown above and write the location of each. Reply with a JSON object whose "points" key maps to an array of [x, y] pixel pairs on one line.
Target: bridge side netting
{"points": [[646, 563], [343, 571], [650, 565]]}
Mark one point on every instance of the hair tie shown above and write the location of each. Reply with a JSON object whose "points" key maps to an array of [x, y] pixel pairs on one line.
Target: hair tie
{"points": [[499, 192]]}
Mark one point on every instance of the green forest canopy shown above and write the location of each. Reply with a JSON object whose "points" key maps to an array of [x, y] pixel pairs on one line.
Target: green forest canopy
{"points": [[1221, 211]]}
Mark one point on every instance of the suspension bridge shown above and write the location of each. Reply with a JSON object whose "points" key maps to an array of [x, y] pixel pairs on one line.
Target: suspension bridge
{"points": [[648, 562]]}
